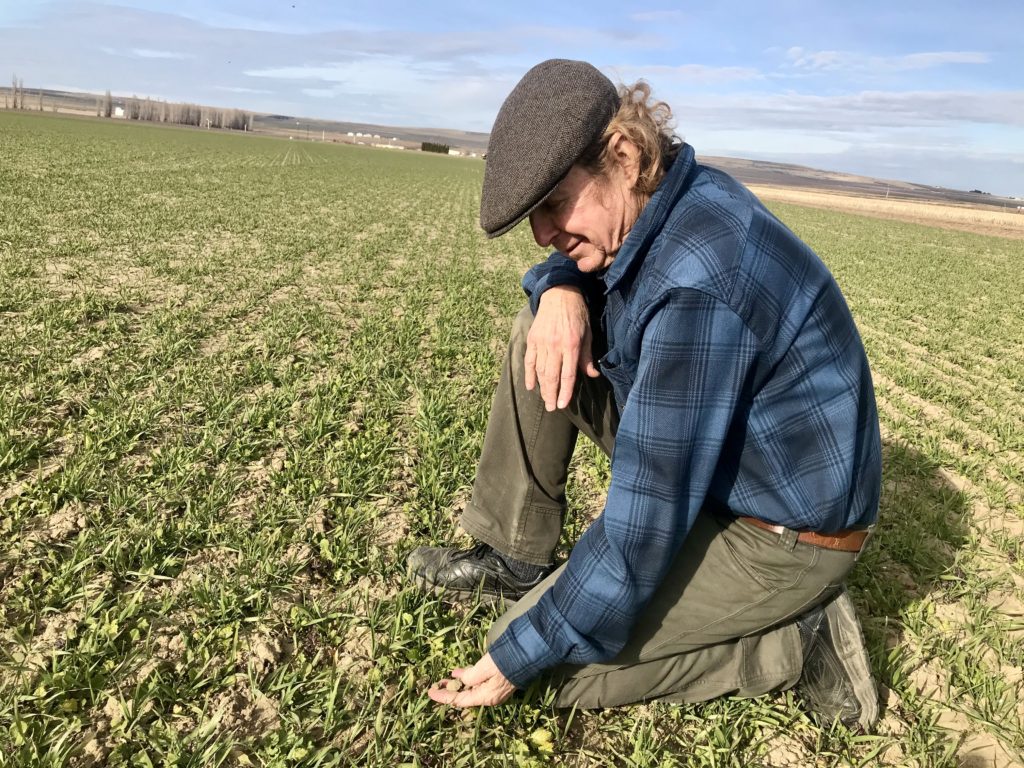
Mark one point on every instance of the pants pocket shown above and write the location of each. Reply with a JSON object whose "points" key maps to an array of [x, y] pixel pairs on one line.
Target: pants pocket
{"points": [[761, 555]]}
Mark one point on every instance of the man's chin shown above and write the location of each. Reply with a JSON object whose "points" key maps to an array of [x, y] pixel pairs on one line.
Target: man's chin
{"points": [[593, 262]]}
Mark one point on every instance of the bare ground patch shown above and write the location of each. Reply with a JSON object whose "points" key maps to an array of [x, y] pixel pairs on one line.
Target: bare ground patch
{"points": [[962, 218]]}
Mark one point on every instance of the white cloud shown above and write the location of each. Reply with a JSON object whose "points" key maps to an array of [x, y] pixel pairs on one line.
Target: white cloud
{"points": [[692, 74], [831, 61], [819, 60], [149, 53], [145, 53], [335, 73], [927, 60], [395, 90], [771, 142], [236, 89], [861, 113], [657, 17]]}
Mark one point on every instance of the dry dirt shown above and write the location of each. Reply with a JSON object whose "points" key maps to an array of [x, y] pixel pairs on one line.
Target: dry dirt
{"points": [[946, 216]]}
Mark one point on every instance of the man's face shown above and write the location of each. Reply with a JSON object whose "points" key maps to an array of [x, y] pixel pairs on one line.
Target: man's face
{"points": [[585, 218]]}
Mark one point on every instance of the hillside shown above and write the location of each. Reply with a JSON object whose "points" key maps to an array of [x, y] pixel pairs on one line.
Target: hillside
{"points": [[757, 172]]}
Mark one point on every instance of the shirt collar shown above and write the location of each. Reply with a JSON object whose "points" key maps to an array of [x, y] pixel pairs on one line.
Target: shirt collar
{"points": [[652, 218]]}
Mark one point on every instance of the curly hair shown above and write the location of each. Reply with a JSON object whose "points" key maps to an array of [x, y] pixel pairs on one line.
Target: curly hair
{"points": [[648, 124]]}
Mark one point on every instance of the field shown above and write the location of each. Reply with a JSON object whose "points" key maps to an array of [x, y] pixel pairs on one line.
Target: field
{"points": [[986, 220], [241, 378]]}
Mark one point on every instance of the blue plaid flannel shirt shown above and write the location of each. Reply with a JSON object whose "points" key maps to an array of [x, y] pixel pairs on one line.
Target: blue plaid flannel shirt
{"points": [[742, 384]]}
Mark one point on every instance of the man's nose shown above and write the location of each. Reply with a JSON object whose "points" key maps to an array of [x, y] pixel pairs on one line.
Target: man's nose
{"points": [[544, 230]]}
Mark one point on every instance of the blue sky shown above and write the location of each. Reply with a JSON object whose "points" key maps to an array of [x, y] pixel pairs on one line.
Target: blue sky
{"points": [[931, 92]]}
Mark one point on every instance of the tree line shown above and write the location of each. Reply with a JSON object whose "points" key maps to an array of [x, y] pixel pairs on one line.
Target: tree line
{"points": [[19, 97], [180, 113], [150, 110]]}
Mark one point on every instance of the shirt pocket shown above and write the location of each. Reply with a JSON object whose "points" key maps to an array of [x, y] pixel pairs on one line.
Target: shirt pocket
{"points": [[621, 372]]}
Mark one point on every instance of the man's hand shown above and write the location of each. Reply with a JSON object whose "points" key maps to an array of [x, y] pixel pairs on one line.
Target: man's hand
{"points": [[558, 344], [481, 685]]}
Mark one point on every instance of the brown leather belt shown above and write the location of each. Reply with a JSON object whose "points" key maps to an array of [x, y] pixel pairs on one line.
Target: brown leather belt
{"points": [[850, 540]]}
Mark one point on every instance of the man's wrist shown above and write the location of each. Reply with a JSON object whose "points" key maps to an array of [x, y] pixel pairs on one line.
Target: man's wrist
{"points": [[563, 291]]}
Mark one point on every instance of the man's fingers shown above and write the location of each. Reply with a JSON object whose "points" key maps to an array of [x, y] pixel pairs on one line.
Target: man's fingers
{"points": [[481, 685], [568, 380], [446, 691], [587, 356], [556, 344], [549, 378], [441, 695], [476, 697], [479, 696], [544, 368], [471, 676], [530, 362]]}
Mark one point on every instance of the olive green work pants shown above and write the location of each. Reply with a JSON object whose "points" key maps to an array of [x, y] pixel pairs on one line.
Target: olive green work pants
{"points": [[722, 621]]}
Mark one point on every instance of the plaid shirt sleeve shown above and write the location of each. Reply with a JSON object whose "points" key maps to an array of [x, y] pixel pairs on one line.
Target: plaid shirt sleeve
{"points": [[557, 270], [697, 358]]}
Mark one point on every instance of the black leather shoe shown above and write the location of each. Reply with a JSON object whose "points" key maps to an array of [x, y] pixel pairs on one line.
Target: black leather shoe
{"points": [[836, 682], [465, 573]]}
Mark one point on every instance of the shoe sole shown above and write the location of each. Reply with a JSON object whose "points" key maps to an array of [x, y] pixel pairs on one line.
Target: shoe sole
{"points": [[461, 595], [848, 639]]}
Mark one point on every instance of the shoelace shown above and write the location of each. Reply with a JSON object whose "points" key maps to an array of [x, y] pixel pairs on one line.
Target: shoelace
{"points": [[479, 552]]}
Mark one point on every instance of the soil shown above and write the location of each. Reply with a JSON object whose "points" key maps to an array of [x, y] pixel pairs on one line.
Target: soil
{"points": [[944, 216]]}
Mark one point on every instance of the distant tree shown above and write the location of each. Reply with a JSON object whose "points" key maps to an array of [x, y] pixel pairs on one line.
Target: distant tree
{"points": [[158, 111], [237, 120], [432, 146], [192, 114], [21, 94], [40, 101], [14, 90]]}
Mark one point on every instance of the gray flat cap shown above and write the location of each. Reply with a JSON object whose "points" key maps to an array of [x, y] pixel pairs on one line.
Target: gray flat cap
{"points": [[557, 110]]}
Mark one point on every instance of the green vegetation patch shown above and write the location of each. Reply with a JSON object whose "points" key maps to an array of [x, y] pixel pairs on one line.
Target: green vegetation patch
{"points": [[241, 378]]}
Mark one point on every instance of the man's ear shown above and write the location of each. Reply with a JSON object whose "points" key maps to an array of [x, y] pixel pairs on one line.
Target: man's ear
{"points": [[627, 155]]}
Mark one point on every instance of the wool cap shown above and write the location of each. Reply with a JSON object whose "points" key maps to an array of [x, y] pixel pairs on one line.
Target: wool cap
{"points": [[557, 110]]}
